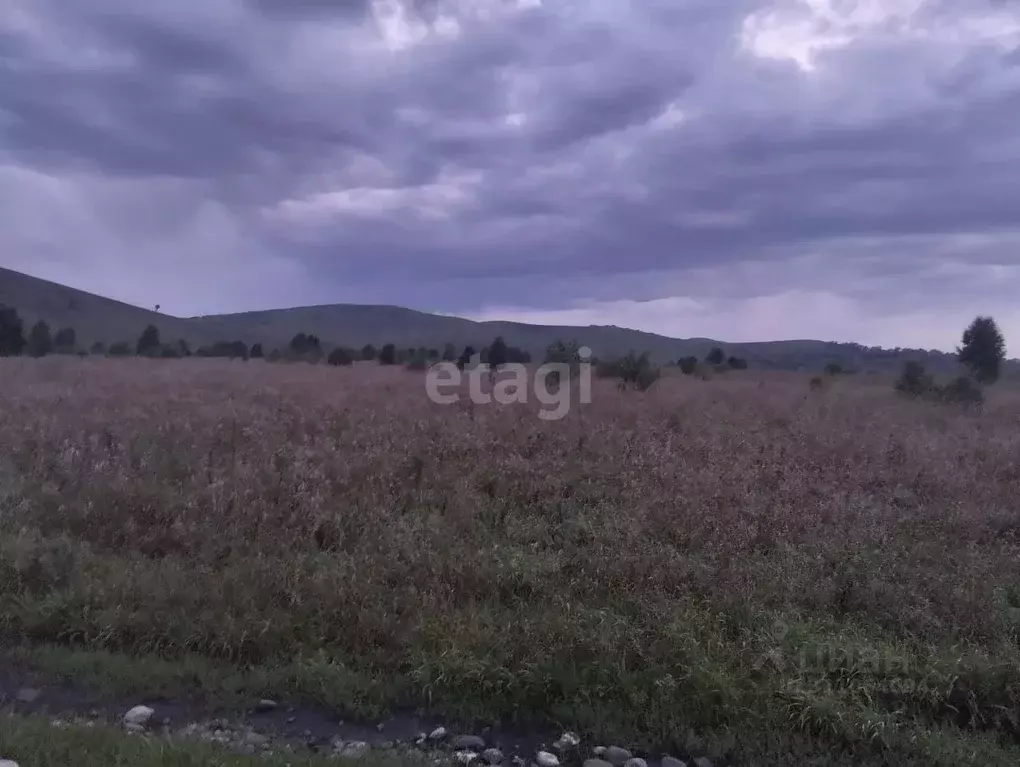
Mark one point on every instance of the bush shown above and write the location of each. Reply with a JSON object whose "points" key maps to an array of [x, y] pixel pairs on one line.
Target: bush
{"points": [[833, 369], [914, 381], [119, 349], [40, 341], [689, 365], [816, 383], [65, 341], [388, 355], [148, 343], [962, 391], [12, 332], [305, 347], [339, 357]]}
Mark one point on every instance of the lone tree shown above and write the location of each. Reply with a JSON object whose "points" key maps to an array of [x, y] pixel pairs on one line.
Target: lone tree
{"points": [[148, 343], [368, 352], [40, 341], [497, 353], [256, 352], [388, 355], [12, 332], [716, 356], [983, 350]]}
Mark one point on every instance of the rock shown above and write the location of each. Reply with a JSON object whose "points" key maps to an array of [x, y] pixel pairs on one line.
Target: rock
{"points": [[702, 761], [438, 734], [465, 757], [597, 763], [139, 715], [635, 762], [266, 705], [518, 761], [670, 761], [255, 739], [7, 763], [355, 750], [599, 751], [545, 759], [468, 743], [617, 756], [567, 741], [28, 695], [132, 727], [492, 756]]}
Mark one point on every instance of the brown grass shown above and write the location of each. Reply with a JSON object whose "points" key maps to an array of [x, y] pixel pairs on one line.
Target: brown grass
{"points": [[740, 564]]}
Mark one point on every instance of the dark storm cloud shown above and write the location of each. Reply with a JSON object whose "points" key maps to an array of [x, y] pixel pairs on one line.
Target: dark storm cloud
{"points": [[599, 150]]}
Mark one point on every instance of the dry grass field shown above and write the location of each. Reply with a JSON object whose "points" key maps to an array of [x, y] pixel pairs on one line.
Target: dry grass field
{"points": [[739, 566]]}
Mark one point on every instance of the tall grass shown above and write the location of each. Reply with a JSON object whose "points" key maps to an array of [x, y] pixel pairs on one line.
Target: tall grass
{"points": [[740, 564]]}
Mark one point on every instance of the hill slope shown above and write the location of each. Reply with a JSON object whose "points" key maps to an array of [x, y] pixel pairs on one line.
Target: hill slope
{"points": [[102, 319], [93, 317]]}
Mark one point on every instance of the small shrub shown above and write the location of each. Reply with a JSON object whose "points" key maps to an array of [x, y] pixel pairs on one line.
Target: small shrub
{"points": [[633, 371], [716, 356], [816, 383], [339, 357], [962, 391], [120, 349], [646, 378], [148, 343], [914, 381], [689, 366], [833, 369], [42, 564]]}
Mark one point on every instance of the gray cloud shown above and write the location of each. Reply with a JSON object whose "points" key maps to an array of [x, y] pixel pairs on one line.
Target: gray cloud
{"points": [[512, 154]]}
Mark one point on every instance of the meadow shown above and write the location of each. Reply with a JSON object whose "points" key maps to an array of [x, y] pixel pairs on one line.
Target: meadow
{"points": [[741, 566]]}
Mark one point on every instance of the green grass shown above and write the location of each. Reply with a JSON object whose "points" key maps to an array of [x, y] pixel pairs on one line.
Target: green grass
{"points": [[34, 742]]}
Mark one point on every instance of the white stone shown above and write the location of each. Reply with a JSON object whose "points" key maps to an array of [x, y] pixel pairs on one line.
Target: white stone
{"points": [[7, 763], [567, 741], [139, 715], [545, 759]]}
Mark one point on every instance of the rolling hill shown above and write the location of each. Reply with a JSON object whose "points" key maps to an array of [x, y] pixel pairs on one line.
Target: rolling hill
{"points": [[102, 319]]}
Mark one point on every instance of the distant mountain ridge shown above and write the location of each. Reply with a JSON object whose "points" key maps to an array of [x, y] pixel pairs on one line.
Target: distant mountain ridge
{"points": [[96, 318]]}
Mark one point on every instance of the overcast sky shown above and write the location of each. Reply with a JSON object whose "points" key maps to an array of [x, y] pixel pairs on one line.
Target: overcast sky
{"points": [[738, 169]]}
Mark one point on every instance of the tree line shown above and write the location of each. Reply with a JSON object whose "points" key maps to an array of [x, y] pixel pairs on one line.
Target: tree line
{"points": [[41, 341]]}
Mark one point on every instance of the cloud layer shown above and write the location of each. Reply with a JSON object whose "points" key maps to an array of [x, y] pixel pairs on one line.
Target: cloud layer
{"points": [[747, 170]]}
